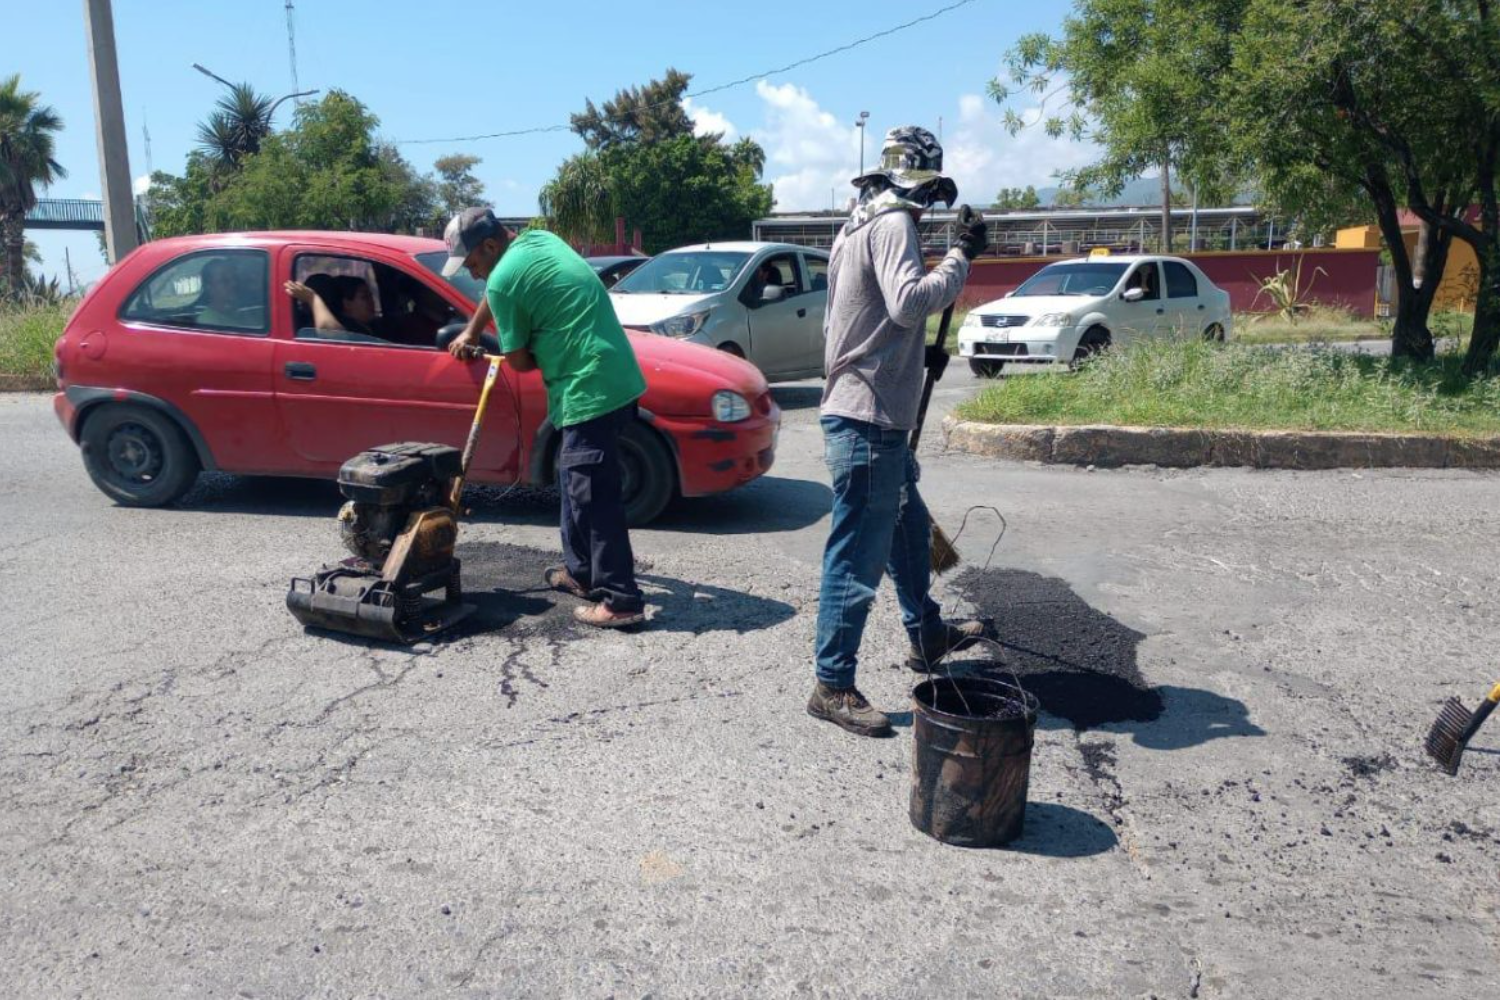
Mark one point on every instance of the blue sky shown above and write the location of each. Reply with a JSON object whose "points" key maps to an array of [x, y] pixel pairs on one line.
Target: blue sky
{"points": [[438, 70]]}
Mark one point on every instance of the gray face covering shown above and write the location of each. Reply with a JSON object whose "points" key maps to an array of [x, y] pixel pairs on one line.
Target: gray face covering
{"points": [[877, 197]]}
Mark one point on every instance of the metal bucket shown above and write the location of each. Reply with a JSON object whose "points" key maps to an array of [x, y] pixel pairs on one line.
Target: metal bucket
{"points": [[971, 759]]}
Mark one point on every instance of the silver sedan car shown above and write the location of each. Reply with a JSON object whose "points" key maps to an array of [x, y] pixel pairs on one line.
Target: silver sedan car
{"points": [[761, 301]]}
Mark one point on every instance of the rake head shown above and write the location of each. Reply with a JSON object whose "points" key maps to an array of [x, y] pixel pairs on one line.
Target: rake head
{"points": [[1450, 734]]}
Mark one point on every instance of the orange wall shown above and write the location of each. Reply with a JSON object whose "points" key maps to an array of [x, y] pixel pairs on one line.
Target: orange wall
{"points": [[1460, 277]]}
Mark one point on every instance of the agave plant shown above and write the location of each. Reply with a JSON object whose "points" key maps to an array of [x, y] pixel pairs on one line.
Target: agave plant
{"points": [[1286, 291]]}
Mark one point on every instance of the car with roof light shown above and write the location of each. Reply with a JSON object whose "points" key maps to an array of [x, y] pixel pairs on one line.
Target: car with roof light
{"points": [[1072, 309]]}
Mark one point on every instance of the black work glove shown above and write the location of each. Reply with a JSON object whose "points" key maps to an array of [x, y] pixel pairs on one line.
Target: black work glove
{"points": [[935, 360], [973, 237]]}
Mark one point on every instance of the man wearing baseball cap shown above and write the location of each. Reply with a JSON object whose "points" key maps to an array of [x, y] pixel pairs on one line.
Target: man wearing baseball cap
{"points": [[552, 313], [879, 297]]}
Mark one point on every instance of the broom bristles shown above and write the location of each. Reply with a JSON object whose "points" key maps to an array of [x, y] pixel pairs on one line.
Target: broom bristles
{"points": [[943, 555], [1445, 741]]}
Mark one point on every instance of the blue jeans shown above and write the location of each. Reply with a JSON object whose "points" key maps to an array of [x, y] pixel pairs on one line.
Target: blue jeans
{"points": [[880, 525]]}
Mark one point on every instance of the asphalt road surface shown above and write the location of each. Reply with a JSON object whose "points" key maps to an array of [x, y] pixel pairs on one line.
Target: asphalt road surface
{"points": [[1228, 796]]}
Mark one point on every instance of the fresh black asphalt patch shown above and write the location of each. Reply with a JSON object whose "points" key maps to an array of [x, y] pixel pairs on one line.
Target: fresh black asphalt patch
{"points": [[1078, 661]]}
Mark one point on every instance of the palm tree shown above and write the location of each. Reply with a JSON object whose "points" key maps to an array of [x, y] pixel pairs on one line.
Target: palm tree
{"points": [[27, 141], [237, 126], [578, 201]]}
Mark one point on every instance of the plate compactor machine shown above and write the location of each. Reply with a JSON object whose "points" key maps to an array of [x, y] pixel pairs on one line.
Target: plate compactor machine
{"points": [[400, 522]]}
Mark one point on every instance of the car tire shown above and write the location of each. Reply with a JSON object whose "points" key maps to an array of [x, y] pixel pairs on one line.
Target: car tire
{"points": [[1214, 334], [1094, 340], [985, 368], [730, 347], [648, 474], [138, 456]]}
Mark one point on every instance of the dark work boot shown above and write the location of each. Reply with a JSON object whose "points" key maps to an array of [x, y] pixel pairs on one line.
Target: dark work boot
{"points": [[848, 708], [926, 655]]}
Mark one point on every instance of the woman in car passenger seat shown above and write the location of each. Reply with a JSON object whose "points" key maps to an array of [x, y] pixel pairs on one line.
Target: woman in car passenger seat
{"points": [[338, 303]]}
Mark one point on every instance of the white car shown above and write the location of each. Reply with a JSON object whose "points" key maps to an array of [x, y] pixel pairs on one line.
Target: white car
{"points": [[1074, 308], [761, 301]]}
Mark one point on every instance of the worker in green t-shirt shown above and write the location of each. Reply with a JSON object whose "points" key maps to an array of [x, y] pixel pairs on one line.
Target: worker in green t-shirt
{"points": [[553, 314]]}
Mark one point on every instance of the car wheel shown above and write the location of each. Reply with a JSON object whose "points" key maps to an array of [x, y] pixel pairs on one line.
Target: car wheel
{"points": [[985, 368], [137, 456], [1214, 333], [648, 474], [730, 347], [1094, 340]]}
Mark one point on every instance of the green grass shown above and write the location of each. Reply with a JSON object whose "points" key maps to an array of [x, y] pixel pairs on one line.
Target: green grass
{"points": [[1194, 384], [27, 334], [1324, 325], [932, 328]]}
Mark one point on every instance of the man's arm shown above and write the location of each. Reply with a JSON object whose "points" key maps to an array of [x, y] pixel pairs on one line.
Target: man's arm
{"points": [[911, 292]]}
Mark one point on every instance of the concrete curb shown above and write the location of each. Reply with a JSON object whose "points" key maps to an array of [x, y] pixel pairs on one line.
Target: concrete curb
{"points": [[27, 383], [1181, 448]]}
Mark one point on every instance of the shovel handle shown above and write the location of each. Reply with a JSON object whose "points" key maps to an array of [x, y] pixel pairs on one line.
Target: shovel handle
{"points": [[942, 342], [472, 444]]}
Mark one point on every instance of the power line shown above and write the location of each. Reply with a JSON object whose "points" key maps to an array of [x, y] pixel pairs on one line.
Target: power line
{"points": [[702, 93]]}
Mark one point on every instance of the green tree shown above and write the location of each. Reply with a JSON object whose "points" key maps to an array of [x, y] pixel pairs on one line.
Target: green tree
{"points": [[1010, 199], [28, 140], [240, 122], [328, 171], [457, 187], [650, 113], [644, 163], [1141, 79], [1348, 88], [1070, 197]]}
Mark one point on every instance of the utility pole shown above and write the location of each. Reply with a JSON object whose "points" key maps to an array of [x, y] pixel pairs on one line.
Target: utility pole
{"points": [[68, 263], [109, 129], [291, 46], [864, 116]]}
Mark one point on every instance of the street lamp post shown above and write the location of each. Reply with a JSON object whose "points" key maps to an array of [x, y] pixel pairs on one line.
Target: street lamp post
{"points": [[275, 104], [863, 117]]}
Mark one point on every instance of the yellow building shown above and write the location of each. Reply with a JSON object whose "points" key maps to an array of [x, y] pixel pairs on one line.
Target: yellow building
{"points": [[1460, 285]]}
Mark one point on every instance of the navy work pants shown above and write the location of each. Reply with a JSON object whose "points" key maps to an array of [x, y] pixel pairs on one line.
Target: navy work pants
{"points": [[595, 541]]}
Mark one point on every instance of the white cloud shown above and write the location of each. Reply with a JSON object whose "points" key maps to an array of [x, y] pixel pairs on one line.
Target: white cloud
{"points": [[142, 184], [810, 154], [706, 121], [983, 157]]}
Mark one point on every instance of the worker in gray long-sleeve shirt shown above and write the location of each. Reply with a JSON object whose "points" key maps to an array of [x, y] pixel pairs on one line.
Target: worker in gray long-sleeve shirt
{"points": [[879, 297]]}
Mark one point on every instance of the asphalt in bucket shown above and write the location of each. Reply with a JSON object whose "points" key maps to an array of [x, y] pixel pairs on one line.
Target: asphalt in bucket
{"points": [[1077, 660]]}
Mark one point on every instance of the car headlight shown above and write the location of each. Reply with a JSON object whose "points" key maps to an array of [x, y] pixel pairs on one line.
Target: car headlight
{"points": [[1053, 319], [729, 406], [681, 326]]}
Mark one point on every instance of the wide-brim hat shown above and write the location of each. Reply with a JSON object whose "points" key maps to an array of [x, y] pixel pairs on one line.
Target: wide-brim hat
{"points": [[910, 157]]}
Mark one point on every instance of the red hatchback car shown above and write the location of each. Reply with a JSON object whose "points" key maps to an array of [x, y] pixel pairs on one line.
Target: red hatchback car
{"points": [[188, 355]]}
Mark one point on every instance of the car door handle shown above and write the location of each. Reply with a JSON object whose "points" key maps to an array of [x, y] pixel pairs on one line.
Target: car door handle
{"points": [[1160, 311], [801, 313], [300, 371], [1202, 306]]}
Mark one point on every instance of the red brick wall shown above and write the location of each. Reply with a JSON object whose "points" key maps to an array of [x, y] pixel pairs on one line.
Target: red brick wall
{"points": [[1347, 279]]}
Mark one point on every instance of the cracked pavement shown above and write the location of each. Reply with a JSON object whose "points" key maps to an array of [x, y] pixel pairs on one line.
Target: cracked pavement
{"points": [[200, 800]]}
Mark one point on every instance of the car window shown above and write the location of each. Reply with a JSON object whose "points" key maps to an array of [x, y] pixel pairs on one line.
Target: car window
{"points": [[371, 302], [693, 272], [218, 291], [817, 272], [1180, 281], [1145, 278], [1089, 278]]}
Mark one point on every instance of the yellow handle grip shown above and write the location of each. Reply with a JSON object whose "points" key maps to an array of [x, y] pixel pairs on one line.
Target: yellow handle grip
{"points": [[1494, 694]]}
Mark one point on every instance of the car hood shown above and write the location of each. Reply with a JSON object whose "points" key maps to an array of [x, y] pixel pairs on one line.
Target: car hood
{"points": [[1037, 305], [643, 309], [682, 377]]}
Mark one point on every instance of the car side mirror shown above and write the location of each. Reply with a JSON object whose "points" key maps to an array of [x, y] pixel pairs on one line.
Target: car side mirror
{"points": [[1133, 294], [488, 341], [772, 293], [1008, 294]]}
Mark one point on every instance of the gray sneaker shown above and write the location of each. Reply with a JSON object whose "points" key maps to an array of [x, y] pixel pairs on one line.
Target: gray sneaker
{"points": [[847, 708], [925, 657]]}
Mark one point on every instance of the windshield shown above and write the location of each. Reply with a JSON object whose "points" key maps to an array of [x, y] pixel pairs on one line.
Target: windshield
{"points": [[434, 261], [1073, 279], [696, 272]]}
